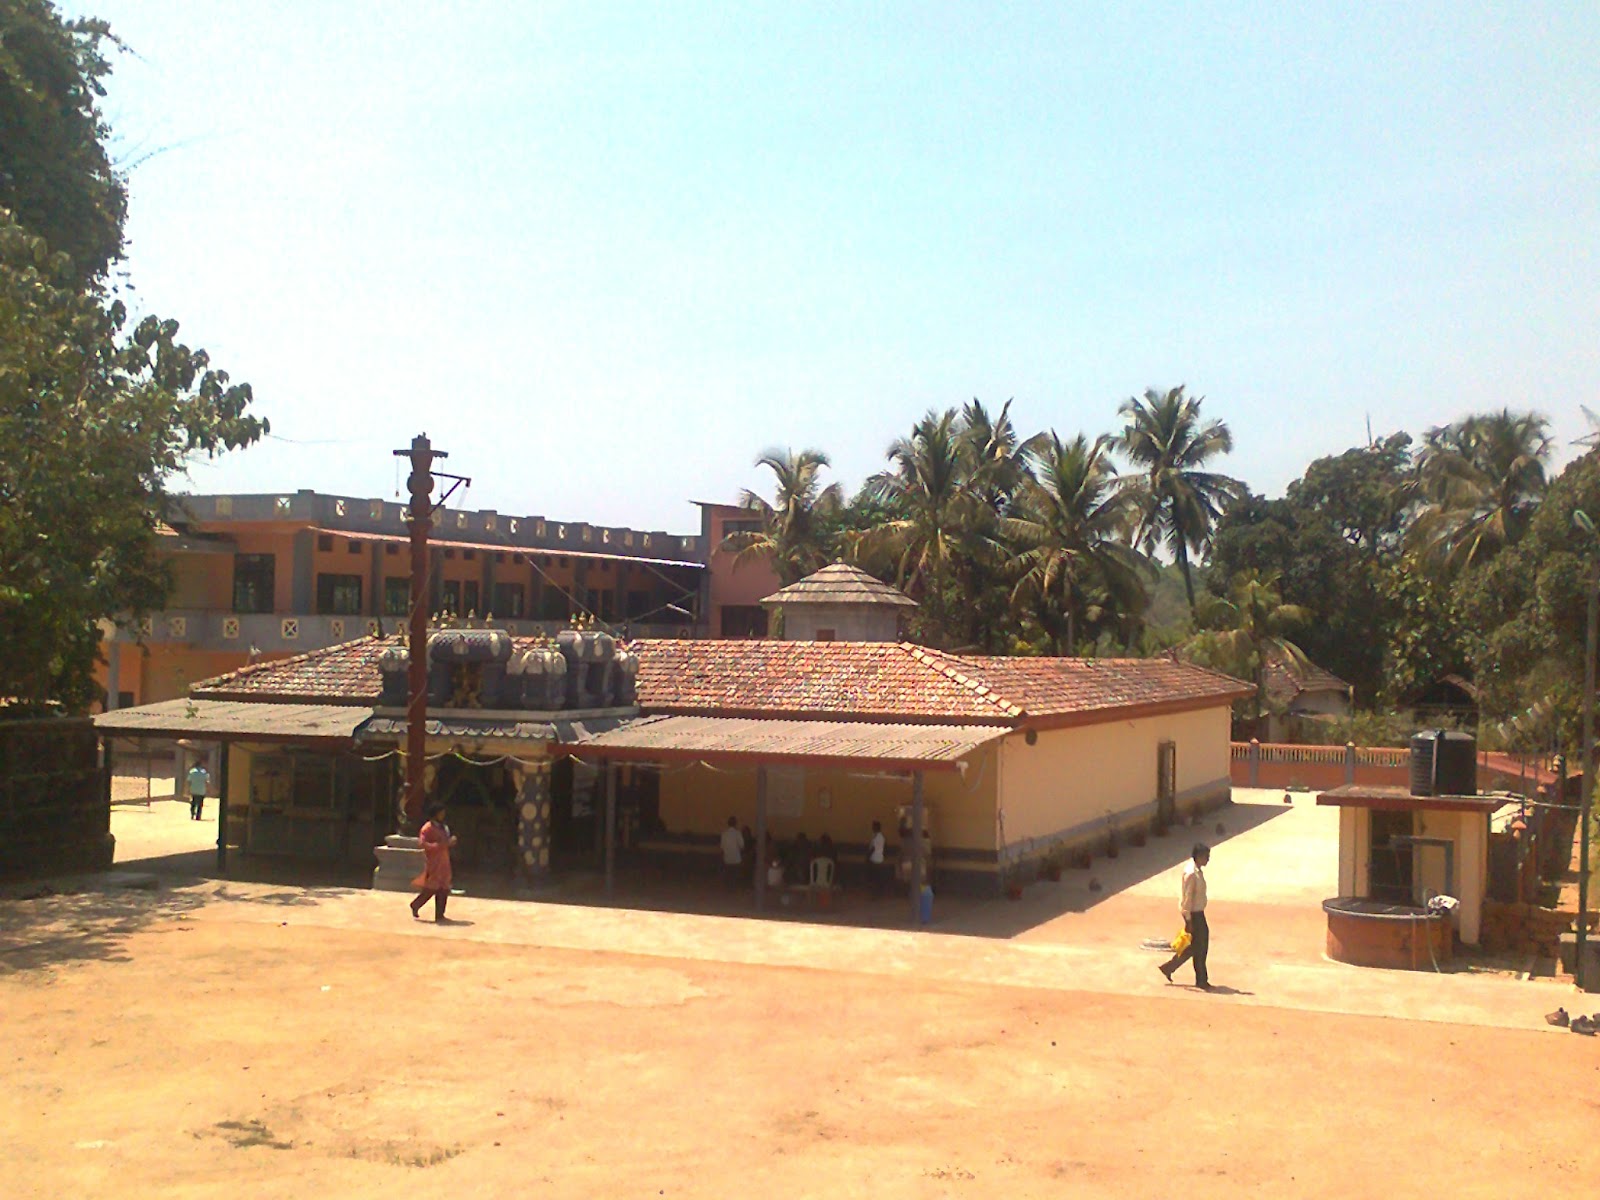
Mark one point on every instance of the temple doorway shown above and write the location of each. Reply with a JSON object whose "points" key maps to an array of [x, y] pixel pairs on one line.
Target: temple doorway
{"points": [[481, 801]]}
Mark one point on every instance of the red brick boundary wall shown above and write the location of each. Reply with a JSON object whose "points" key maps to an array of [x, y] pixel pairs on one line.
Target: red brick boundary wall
{"points": [[1322, 768]]}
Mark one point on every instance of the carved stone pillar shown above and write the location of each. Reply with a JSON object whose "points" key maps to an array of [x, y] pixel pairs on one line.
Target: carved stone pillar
{"points": [[533, 822]]}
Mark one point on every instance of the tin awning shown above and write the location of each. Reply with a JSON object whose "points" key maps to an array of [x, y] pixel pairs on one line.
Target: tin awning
{"points": [[797, 743], [235, 719]]}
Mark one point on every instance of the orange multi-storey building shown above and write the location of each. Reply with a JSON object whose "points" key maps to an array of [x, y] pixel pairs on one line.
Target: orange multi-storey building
{"points": [[258, 577]]}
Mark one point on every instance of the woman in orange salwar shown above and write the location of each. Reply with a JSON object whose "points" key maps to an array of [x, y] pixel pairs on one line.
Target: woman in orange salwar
{"points": [[435, 878]]}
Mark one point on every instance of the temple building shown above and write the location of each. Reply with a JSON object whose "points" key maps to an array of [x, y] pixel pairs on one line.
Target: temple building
{"points": [[580, 750]]}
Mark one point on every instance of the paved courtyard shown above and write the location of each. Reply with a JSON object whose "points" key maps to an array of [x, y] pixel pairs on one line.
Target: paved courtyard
{"points": [[265, 1039]]}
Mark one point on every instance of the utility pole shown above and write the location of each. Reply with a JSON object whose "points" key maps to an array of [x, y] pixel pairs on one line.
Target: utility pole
{"points": [[420, 514], [1582, 521], [1580, 964]]}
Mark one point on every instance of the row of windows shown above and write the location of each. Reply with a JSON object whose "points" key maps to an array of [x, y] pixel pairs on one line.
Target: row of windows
{"points": [[342, 595], [325, 543], [255, 579]]}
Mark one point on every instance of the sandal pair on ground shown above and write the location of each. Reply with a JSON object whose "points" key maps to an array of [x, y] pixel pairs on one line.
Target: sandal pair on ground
{"points": [[1578, 1024]]}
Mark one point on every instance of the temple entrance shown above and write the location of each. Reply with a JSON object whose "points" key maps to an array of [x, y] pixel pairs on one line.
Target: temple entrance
{"points": [[577, 815], [481, 799]]}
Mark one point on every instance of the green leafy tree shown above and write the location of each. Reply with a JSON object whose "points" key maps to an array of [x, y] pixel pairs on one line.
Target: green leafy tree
{"points": [[1179, 502], [797, 534], [1317, 568], [95, 417], [97, 410], [1249, 627], [1426, 638], [1363, 493], [55, 174], [1070, 537], [1524, 613], [1480, 481], [938, 527]]}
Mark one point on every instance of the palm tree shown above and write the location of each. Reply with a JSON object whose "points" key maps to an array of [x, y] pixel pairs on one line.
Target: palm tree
{"points": [[1178, 502], [794, 534], [997, 458], [1480, 481], [938, 524], [1070, 530], [1255, 629]]}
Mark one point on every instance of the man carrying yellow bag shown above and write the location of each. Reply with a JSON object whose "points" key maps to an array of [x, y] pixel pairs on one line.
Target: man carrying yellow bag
{"points": [[1195, 940]]}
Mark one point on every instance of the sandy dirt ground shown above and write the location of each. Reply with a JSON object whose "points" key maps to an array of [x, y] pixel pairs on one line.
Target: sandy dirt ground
{"points": [[257, 1040]]}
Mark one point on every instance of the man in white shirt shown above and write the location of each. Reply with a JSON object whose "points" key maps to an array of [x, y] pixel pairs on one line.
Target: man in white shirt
{"points": [[1192, 904], [732, 853], [199, 784], [877, 849]]}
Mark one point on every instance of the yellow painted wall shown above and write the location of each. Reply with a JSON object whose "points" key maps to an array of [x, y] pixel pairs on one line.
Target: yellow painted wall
{"points": [[1468, 831], [1071, 777], [700, 800]]}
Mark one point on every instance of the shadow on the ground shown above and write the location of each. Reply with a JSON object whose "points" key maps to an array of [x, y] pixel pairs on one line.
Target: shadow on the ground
{"points": [[652, 888], [1082, 889], [90, 925], [196, 866]]}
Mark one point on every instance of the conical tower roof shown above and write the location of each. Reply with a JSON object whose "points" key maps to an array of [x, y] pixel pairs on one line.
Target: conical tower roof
{"points": [[842, 584]]}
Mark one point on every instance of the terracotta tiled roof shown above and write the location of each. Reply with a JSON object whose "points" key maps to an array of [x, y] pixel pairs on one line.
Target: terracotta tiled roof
{"points": [[1285, 682], [841, 584], [1063, 687], [342, 674], [876, 681]]}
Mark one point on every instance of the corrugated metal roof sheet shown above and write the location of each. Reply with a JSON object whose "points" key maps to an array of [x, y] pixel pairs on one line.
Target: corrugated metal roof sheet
{"points": [[233, 719], [927, 747]]}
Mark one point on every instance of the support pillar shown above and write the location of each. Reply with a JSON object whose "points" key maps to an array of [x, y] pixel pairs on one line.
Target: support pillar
{"points": [[761, 839], [918, 849], [533, 823], [1349, 763], [611, 830], [222, 809], [1255, 762]]}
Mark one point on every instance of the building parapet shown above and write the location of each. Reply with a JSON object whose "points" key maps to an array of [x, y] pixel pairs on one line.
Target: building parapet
{"points": [[484, 526]]}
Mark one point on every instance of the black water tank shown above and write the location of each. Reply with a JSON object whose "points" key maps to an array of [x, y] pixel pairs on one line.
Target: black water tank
{"points": [[1444, 764]]}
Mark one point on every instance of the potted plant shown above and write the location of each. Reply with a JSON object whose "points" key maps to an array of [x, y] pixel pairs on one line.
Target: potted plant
{"points": [[1051, 867]]}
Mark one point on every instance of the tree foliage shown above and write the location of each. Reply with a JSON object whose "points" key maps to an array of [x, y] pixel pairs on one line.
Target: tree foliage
{"points": [[1179, 502], [56, 176], [1480, 480], [97, 409], [1070, 534], [797, 534], [1247, 629]]}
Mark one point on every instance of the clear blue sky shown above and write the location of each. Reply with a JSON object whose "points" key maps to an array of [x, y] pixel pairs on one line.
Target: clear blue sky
{"points": [[607, 254]]}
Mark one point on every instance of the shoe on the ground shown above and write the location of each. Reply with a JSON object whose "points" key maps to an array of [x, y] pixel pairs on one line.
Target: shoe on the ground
{"points": [[1166, 974], [1558, 1018], [1583, 1025]]}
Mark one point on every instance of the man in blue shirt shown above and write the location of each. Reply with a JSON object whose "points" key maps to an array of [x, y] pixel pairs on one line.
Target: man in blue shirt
{"points": [[199, 783]]}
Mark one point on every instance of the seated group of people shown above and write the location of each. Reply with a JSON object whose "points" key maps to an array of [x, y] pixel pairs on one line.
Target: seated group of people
{"points": [[788, 862]]}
